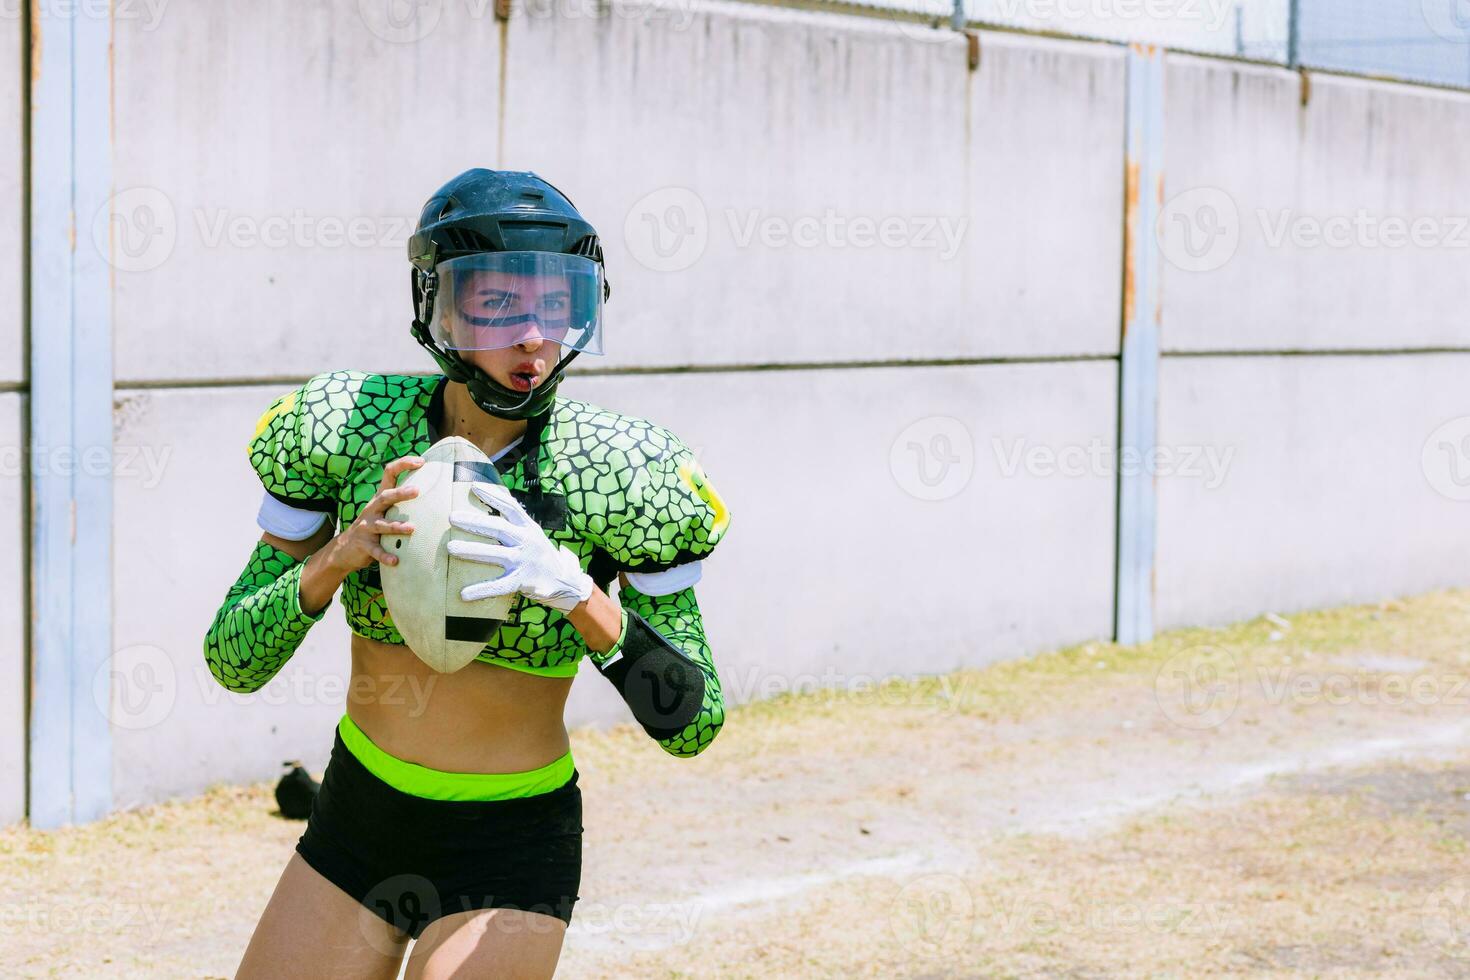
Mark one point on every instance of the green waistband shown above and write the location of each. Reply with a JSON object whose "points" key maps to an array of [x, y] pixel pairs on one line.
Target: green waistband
{"points": [[560, 670], [432, 784]]}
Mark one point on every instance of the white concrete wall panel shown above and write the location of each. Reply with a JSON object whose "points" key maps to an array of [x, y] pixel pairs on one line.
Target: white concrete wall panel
{"points": [[1347, 479], [14, 664], [12, 198], [774, 186], [839, 566], [185, 504], [1341, 224], [269, 164]]}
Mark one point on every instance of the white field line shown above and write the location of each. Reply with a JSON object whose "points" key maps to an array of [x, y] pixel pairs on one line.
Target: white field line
{"points": [[1227, 779]]}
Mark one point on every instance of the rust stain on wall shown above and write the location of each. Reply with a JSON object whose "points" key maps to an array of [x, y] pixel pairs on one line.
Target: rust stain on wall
{"points": [[1130, 242], [35, 42]]}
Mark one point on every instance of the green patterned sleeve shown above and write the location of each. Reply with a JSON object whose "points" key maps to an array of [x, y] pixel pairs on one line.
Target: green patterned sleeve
{"points": [[260, 624], [676, 617]]}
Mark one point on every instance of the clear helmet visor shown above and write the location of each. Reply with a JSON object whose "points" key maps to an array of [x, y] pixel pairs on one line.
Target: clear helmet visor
{"points": [[492, 300]]}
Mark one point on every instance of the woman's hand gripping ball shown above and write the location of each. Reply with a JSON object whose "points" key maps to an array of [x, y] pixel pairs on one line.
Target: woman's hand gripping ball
{"points": [[360, 544], [537, 568]]}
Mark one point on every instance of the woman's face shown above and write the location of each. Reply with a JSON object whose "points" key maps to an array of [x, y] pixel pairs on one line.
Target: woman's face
{"points": [[516, 320]]}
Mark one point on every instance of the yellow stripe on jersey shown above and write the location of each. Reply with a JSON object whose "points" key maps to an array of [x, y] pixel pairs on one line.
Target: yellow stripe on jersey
{"points": [[281, 407], [693, 476]]}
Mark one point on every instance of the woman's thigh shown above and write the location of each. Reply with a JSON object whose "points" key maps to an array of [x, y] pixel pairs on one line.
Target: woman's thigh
{"points": [[501, 943], [311, 928]]}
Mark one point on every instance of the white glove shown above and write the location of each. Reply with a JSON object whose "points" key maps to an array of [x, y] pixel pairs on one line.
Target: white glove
{"points": [[548, 573]]}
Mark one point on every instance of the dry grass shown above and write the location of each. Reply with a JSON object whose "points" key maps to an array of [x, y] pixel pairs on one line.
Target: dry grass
{"points": [[1334, 874]]}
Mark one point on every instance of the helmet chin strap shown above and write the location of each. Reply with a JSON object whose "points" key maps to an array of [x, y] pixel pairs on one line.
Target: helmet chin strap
{"points": [[473, 375], [489, 398], [525, 401]]}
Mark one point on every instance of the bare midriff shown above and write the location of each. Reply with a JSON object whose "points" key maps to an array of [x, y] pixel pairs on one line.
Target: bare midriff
{"points": [[482, 718]]}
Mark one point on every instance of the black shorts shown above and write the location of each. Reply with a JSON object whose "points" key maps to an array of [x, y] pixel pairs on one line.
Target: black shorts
{"points": [[412, 860]]}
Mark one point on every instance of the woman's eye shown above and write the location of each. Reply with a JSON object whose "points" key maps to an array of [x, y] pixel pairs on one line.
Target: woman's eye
{"points": [[554, 304]]}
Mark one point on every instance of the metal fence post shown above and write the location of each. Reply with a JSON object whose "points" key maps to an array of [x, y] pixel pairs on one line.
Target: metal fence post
{"points": [[71, 416], [1293, 34], [1138, 373]]}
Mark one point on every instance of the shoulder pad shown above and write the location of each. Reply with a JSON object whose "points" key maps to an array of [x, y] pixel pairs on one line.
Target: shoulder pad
{"points": [[641, 492], [309, 439]]}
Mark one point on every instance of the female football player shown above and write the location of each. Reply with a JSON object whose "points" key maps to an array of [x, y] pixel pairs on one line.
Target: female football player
{"points": [[457, 822]]}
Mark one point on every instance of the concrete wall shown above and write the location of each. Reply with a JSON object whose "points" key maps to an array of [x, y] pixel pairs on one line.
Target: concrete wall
{"points": [[1347, 482], [858, 549], [1360, 159], [836, 197], [13, 664], [12, 612], [706, 192], [1328, 497], [853, 121], [12, 194], [185, 503], [288, 215]]}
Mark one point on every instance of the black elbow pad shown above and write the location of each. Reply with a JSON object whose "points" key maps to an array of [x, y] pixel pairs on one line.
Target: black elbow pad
{"points": [[663, 687]]}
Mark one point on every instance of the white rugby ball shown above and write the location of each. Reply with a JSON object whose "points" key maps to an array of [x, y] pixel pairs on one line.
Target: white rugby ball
{"points": [[422, 590]]}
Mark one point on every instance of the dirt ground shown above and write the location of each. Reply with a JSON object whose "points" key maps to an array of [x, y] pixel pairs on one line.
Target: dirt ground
{"points": [[1287, 797]]}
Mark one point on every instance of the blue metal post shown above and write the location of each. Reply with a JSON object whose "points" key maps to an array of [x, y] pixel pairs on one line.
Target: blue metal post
{"points": [[71, 415], [1138, 380]]}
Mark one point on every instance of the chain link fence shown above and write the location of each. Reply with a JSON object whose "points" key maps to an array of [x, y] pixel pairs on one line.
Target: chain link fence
{"points": [[1414, 40], [1419, 40]]}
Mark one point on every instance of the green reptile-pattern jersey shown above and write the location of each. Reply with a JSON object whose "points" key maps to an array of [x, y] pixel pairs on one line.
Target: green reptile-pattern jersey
{"points": [[632, 495]]}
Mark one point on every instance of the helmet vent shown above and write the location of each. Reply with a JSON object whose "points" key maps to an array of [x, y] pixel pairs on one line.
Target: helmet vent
{"points": [[588, 246], [460, 240], [450, 206]]}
